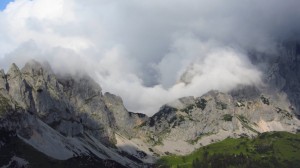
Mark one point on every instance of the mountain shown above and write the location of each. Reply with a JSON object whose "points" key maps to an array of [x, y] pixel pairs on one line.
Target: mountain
{"points": [[62, 117], [54, 120]]}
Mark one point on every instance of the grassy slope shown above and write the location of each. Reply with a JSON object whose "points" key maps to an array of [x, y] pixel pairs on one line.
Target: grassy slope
{"points": [[274, 149]]}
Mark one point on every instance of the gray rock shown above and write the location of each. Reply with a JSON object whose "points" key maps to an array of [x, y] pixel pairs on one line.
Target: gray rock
{"points": [[3, 82], [71, 112]]}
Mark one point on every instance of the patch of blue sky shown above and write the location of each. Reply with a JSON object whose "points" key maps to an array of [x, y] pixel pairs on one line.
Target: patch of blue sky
{"points": [[3, 4]]}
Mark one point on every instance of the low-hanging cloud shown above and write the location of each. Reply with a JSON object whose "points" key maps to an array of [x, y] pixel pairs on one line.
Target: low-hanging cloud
{"points": [[149, 52]]}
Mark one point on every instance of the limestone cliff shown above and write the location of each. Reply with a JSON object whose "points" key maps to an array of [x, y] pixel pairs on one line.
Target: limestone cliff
{"points": [[67, 118]]}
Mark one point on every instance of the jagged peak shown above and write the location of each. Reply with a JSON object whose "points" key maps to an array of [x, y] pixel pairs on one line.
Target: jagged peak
{"points": [[2, 73], [13, 70], [13, 66], [33, 64], [34, 67], [182, 102], [113, 97]]}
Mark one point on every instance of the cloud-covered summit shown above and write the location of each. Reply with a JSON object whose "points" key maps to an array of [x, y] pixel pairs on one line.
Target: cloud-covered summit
{"points": [[142, 50]]}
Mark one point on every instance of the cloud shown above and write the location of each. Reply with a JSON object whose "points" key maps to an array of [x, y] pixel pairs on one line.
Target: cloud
{"points": [[149, 52]]}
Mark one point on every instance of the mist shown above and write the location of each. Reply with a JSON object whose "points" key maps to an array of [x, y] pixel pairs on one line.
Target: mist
{"points": [[149, 52]]}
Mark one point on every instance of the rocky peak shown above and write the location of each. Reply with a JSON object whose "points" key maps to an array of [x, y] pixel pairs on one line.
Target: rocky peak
{"points": [[85, 86], [125, 121], [181, 102], [37, 90], [280, 71], [34, 68], [71, 115], [13, 72], [2, 73]]}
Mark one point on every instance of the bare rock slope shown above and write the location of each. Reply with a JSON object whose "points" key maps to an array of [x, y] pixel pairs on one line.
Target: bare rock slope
{"points": [[62, 119]]}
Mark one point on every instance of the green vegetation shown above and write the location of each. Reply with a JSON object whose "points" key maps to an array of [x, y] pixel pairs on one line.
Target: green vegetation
{"points": [[157, 142], [227, 117], [273, 149], [265, 100], [284, 113], [201, 104], [221, 106], [194, 141], [157, 139], [246, 123], [198, 104], [177, 120], [243, 119], [188, 109]]}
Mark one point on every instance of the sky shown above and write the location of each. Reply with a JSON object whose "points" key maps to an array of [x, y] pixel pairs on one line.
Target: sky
{"points": [[149, 52], [3, 3]]}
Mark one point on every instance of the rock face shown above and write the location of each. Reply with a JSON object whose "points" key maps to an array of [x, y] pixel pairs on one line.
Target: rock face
{"points": [[68, 118], [63, 117], [194, 122], [281, 71], [288, 73]]}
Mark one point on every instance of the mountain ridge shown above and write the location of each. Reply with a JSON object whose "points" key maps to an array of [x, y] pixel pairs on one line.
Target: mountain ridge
{"points": [[65, 117]]}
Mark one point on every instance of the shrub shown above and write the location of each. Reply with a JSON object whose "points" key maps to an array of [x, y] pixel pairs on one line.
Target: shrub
{"points": [[227, 117], [201, 104], [221, 105], [265, 100]]}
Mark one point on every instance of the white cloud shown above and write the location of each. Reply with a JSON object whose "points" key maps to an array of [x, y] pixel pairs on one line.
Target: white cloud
{"points": [[140, 49]]}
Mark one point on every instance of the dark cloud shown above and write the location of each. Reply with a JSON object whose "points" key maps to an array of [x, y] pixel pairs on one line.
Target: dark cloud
{"points": [[141, 49]]}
